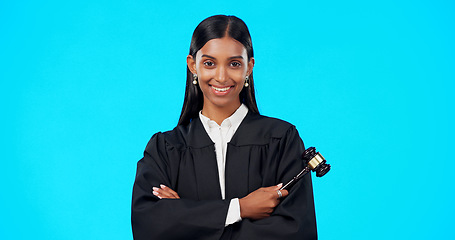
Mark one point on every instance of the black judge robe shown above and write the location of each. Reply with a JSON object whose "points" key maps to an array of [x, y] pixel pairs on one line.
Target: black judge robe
{"points": [[263, 152]]}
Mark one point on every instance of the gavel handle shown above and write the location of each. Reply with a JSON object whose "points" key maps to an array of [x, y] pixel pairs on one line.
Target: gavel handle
{"points": [[296, 178]]}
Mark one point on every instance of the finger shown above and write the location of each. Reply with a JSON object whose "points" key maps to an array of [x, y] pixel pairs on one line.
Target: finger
{"points": [[281, 193], [278, 194], [156, 193], [169, 190], [284, 193], [165, 194], [271, 188], [162, 193]]}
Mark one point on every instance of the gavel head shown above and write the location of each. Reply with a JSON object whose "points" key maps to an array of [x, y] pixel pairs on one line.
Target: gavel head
{"points": [[315, 161]]}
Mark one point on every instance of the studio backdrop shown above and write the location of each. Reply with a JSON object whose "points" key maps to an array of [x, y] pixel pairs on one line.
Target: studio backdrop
{"points": [[85, 84]]}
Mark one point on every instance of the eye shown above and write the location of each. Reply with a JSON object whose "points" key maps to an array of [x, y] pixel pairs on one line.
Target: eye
{"points": [[209, 63], [236, 64]]}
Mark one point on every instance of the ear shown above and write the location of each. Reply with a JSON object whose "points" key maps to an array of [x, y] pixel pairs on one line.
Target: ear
{"points": [[191, 62], [250, 66]]}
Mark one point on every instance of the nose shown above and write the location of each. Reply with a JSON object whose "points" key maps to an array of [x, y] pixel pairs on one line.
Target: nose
{"points": [[221, 75]]}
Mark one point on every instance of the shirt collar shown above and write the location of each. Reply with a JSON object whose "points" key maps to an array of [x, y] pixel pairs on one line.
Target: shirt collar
{"points": [[234, 120]]}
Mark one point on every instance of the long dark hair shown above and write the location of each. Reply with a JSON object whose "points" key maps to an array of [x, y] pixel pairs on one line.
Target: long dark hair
{"points": [[216, 27]]}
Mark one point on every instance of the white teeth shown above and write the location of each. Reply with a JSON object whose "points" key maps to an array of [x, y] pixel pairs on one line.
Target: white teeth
{"points": [[221, 89]]}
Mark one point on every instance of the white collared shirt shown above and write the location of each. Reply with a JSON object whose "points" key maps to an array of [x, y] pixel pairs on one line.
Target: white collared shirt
{"points": [[221, 135]]}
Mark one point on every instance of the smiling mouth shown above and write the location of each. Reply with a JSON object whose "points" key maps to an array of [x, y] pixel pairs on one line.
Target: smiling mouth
{"points": [[221, 89]]}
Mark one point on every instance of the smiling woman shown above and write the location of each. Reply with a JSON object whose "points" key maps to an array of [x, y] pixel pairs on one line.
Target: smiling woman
{"points": [[218, 174], [222, 67], [213, 28]]}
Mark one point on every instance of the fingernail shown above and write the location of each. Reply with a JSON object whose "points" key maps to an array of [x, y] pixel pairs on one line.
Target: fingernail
{"points": [[280, 185], [156, 194], [155, 189], [162, 186]]}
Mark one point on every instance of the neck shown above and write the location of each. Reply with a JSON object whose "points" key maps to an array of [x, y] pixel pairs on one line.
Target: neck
{"points": [[218, 114]]}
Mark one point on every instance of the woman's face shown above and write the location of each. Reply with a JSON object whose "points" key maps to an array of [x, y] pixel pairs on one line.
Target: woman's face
{"points": [[221, 66]]}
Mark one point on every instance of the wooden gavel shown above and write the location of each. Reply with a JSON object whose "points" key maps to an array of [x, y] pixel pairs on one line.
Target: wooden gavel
{"points": [[314, 162]]}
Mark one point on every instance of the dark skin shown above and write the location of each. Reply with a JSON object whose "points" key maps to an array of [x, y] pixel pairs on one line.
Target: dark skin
{"points": [[221, 66]]}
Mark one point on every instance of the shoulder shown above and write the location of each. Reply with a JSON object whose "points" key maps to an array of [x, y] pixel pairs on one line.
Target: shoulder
{"points": [[273, 126], [183, 136], [162, 140], [258, 129], [255, 129]]}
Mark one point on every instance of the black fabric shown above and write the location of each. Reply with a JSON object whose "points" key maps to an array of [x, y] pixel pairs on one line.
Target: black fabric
{"points": [[263, 152]]}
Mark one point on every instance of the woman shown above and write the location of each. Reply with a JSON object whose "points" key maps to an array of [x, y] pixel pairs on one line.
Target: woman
{"points": [[215, 175]]}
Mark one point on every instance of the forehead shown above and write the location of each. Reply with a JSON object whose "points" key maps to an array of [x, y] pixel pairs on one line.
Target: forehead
{"points": [[221, 47]]}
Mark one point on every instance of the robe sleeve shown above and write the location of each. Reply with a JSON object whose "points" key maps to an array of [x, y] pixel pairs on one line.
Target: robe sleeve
{"points": [[154, 218], [294, 217]]}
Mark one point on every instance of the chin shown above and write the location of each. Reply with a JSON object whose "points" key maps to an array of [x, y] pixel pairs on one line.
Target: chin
{"points": [[224, 103]]}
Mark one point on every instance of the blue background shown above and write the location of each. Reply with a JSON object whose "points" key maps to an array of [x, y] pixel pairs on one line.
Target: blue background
{"points": [[85, 84]]}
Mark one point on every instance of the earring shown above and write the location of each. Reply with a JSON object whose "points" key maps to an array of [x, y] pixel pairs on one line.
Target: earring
{"points": [[246, 81], [195, 79]]}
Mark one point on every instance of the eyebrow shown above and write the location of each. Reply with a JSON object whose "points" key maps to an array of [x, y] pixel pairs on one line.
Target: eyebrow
{"points": [[233, 57]]}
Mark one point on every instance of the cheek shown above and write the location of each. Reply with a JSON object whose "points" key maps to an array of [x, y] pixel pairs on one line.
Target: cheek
{"points": [[206, 73], [239, 77], [205, 76], [237, 74]]}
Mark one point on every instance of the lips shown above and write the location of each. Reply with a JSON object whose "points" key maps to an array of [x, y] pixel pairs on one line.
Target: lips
{"points": [[221, 89]]}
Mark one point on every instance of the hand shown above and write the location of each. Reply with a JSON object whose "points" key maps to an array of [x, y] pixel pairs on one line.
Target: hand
{"points": [[261, 203], [165, 192]]}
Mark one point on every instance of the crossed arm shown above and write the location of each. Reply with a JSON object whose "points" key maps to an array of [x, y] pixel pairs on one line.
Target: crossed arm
{"points": [[256, 205]]}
